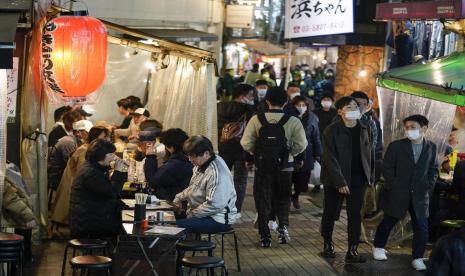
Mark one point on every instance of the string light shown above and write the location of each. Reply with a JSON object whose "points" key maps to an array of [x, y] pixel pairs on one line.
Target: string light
{"points": [[127, 55]]}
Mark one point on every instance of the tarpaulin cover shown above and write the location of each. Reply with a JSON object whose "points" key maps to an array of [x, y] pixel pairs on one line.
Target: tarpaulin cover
{"points": [[441, 80]]}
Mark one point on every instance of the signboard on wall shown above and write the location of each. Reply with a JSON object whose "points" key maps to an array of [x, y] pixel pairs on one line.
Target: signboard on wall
{"points": [[306, 18], [12, 90], [238, 16], [256, 3]]}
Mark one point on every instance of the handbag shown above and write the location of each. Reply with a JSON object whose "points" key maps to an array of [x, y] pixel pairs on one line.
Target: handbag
{"points": [[233, 130]]}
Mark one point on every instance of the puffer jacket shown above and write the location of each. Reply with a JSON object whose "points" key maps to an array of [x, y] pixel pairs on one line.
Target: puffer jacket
{"points": [[211, 192], [58, 159], [95, 208], [229, 112], [16, 209], [314, 147]]}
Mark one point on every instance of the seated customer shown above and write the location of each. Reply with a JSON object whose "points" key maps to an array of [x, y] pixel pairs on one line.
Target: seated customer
{"points": [[94, 210], [211, 195], [448, 256], [175, 174]]}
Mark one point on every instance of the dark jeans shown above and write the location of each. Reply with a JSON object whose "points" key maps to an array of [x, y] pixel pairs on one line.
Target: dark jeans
{"points": [[236, 163], [332, 208], [420, 233], [271, 193], [205, 225]]}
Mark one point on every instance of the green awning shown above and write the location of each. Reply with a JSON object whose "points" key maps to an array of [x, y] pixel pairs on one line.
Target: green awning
{"points": [[442, 80]]}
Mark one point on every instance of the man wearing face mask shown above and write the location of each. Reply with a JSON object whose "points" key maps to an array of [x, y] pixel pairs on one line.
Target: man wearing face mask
{"points": [[262, 87], [293, 90], [347, 169], [410, 171], [238, 111]]}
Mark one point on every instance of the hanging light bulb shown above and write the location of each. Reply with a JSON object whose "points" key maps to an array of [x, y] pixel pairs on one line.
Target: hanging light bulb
{"points": [[150, 65], [324, 61], [127, 54], [363, 73], [314, 57]]}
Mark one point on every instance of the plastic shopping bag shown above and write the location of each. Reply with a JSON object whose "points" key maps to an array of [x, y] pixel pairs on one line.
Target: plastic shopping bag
{"points": [[315, 176]]}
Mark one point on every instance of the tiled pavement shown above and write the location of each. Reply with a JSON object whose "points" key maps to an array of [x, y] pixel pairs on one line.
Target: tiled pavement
{"points": [[300, 257]]}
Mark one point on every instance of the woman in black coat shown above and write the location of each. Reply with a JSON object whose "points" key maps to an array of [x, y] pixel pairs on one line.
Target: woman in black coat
{"points": [[301, 175], [95, 209]]}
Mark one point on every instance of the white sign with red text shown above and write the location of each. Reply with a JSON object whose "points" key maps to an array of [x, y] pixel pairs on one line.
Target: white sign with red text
{"points": [[306, 18]]}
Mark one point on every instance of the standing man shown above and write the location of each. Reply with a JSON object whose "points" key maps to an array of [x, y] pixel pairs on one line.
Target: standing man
{"points": [[262, 87], [346, 171], [293, 90], [410, 171], [274, 138], [233, 114]]}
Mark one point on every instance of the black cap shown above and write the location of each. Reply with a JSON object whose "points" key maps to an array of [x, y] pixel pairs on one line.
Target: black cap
{"points": [[83, 112]]}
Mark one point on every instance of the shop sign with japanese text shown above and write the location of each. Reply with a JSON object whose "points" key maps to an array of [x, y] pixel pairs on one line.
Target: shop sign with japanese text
{"points": [[318, 17]]}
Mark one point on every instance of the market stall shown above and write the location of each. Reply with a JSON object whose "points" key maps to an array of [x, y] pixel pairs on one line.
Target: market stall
{"points": [[175, 81]]}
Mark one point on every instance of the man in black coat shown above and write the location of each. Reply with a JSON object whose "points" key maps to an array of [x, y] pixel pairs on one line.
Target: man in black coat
{"points": [[448, 256], [347, 168], [410, 171]]}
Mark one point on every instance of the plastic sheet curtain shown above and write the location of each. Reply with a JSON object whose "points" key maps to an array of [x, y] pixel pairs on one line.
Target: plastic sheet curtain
{"points": [[182, 96], [395, 106], [3, 118], [126, 75]]}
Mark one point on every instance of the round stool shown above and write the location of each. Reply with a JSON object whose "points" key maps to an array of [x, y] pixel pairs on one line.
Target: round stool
{"points": [[11, 251], [192, 246], [91, 263], [85, 246], [230, 232], [204, 262]]}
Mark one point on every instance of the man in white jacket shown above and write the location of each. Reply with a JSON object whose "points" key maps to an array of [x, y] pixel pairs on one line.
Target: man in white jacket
{"points": [[211, 196]]}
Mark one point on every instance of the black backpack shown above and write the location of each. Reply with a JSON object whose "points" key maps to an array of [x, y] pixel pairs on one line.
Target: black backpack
{"points": [[271, 150]]}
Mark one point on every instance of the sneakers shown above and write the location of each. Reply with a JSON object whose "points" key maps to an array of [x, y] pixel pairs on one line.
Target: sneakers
{"points": [[273, 225], [379, 254], [419, 265], [352, 256], [283, 236], [238, 215], [265, 242]]}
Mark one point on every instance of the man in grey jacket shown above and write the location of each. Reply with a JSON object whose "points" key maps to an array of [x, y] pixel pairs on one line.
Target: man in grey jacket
{"points": [[211, 196]]}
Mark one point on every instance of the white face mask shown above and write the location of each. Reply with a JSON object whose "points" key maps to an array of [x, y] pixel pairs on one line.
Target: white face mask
{"points": [[301, 109], [261, 93], [109, 157], [413, 134], [326, 104], [294, 95], [352, 115], [249, 102]]}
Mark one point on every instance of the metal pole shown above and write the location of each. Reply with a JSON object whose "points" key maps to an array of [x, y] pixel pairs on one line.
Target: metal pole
{"points": [[288, 68]]}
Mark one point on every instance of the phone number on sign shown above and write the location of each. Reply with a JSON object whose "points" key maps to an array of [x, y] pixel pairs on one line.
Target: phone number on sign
{"points": [[320, 27]]}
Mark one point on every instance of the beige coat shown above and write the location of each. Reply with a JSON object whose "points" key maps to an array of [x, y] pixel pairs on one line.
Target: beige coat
{"points": [[60, 210]]}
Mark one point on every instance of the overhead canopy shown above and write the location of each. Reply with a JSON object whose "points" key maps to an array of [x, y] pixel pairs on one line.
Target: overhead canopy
{"points": [[264, 47], [9, 15], [442, 80], [180, 35], [432, 10]]}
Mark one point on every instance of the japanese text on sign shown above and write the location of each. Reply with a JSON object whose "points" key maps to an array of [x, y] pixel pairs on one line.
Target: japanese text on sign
{"points": [[318, 17]]}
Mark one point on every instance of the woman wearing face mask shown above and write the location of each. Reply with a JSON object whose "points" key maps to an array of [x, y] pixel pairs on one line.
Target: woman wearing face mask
{"points": [[95, 210], [60, 210], [240, 110], [301, 175]]}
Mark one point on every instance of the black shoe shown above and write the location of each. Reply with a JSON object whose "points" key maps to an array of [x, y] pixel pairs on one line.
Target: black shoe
{"points": [[328, 251], [265, 242], [352, 256], [316, 189]]}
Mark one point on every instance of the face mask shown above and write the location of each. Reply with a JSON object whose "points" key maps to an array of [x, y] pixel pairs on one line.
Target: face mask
{"points": [[352, 115], [261, 93], [413, 134], [294, 95], [108, 159], [249, 102], [326, 104], [302, 109]]}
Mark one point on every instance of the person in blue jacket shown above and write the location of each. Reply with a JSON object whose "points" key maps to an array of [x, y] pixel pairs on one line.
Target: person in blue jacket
{"points": [[174, 175]]}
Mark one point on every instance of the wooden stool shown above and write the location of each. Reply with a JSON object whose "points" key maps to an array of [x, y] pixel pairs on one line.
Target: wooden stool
{"points": [[192, 246], [204, 262], [230, 232], [85, 246], [11, 251], [90, 263]]}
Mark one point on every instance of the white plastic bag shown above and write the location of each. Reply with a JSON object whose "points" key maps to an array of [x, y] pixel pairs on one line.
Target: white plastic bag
{"points": [[315, 176]]}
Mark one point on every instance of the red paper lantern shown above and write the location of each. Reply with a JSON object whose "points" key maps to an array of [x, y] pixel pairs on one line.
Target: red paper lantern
{"points": [[74, 55]]}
